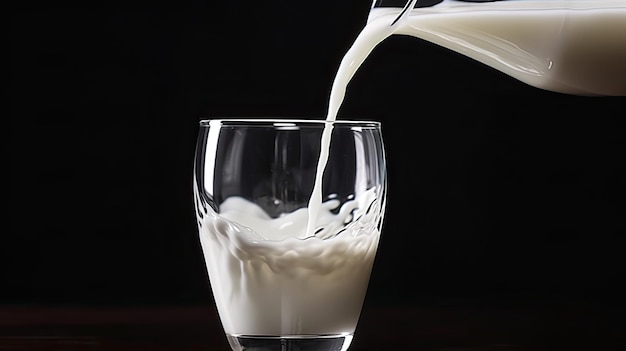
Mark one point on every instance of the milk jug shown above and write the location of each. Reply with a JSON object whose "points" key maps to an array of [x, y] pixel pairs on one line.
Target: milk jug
{"points": [[574, 47]]}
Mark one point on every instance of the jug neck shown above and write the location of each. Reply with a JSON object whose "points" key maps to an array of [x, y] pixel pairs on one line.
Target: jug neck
{"points": [[420, 3]]}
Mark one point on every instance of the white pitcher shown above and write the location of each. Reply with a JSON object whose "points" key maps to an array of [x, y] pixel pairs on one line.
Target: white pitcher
{"points": [[575, 47]]}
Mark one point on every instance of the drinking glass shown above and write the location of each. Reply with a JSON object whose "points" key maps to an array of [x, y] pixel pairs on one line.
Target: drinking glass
{"points": [[289, 215]]}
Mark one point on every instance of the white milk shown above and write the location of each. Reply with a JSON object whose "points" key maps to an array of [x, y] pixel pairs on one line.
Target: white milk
{"points": [[270, 282]]}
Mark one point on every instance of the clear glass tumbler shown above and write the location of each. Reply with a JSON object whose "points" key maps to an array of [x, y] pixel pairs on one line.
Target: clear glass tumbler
{"points": [[288, 270]]}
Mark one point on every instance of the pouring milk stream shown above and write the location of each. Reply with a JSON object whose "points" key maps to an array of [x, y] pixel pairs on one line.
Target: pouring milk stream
{"points": [[370, 36], [573, 47], [568, 46]]}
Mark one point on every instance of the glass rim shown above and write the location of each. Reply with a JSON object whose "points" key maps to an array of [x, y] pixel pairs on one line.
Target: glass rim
{"points": [[284, 122]]}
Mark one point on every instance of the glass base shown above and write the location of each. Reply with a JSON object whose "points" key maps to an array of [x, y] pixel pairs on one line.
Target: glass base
{"points": [[290, 343]]}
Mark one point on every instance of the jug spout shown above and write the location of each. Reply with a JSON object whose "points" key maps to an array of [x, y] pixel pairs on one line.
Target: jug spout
{"points": [[401, 3], [420, 3]]}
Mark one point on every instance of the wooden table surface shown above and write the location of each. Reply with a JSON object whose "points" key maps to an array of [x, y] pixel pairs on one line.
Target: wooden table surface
{"points": [[451, 326]]}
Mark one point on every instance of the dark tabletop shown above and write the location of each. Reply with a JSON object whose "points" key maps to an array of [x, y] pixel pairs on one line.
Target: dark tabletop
{"points": [[442, 326]]}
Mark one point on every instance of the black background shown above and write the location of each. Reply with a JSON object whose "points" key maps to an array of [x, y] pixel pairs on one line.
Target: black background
{"points": [[497, 190]]}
